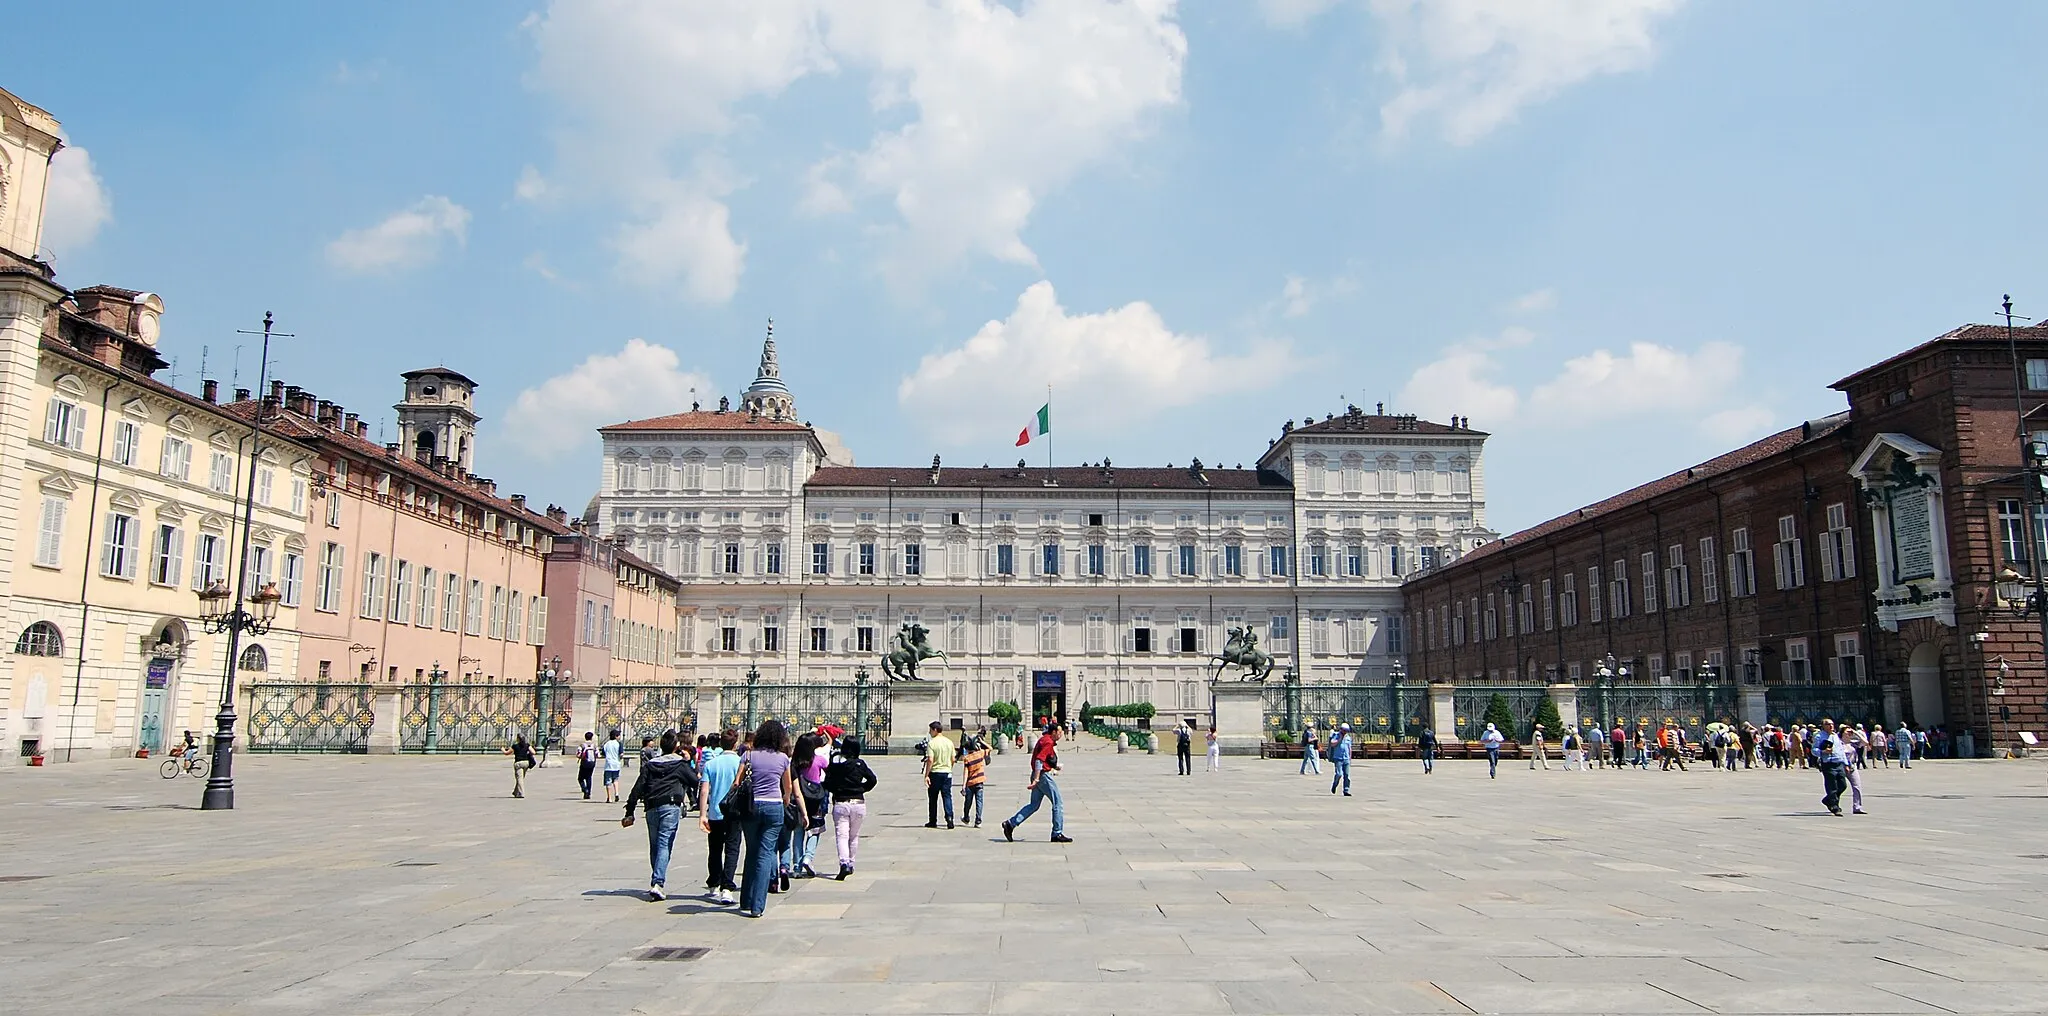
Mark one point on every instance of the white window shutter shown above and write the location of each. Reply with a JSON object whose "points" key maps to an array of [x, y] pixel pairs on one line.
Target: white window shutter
{"points": [[1827, 557], [52, 426], [1845, 544], [76, 438]]}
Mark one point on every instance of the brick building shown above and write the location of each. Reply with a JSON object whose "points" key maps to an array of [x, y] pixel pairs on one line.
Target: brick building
{"points": [[1847, 565]]}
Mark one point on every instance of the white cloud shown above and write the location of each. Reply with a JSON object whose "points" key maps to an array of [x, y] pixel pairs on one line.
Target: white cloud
{"points": [[531, 186], [1471, 66], [1535, 302], [75, 203], [1293, 13], [1648, 382], [408, 238], [685, 243], [1738, 425], [561, 415], [1107, 369], [990, 106], [1294, 298]]}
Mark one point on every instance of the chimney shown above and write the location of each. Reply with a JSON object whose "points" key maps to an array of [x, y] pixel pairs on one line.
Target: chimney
{"points": [[209, 390], [519, 501], [269, 409], [325, 409], [277, 392], [558, 515], [391, 449], [241, 395], [349, 423], [487, 485], [362, 427]]}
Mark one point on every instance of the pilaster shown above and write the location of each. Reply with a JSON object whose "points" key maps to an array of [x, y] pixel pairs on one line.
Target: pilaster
{"points": [[25, 301]]}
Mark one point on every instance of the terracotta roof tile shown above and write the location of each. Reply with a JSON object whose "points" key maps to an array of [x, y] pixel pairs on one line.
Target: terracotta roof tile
{"points": [[1961, 333], [1066, 477], [706, 420]]}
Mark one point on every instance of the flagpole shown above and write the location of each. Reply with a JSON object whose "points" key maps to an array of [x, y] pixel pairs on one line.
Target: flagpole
{"points": [[1048, 433]]}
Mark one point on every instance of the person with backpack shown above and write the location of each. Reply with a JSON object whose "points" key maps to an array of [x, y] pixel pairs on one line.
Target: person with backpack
{"points": [[847, 782], [662, 785], [586, 762], [1571, 751], [974, 763], [1183, 750], [1425, 746], [614, 763]]}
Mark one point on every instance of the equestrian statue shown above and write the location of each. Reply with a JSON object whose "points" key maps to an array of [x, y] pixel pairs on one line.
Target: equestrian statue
{"points": [[1242, 648], [912, 647]]}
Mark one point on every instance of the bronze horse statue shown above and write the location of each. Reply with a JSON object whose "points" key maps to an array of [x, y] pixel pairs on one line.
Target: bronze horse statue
{"points": [[912, 647], [1242, 649]]}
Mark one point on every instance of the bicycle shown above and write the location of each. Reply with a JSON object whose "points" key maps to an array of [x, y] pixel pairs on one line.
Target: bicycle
{"points": [[194, 764]]}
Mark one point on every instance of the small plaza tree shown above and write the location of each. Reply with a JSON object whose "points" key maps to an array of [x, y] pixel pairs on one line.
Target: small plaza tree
{"points": [[1498, 714]]}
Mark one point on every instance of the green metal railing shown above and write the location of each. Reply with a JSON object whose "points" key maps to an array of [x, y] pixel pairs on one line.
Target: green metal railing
{"points": [[647, 709], [291, 716], [1374, 710], [438, 716], [861, 707], [1843, 703]]}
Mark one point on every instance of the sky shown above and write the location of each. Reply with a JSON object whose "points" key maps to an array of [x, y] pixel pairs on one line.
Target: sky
{"points": [[1620, 235]]}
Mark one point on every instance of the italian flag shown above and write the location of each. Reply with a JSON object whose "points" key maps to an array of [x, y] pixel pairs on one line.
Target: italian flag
{"points": [[1043, 423]]}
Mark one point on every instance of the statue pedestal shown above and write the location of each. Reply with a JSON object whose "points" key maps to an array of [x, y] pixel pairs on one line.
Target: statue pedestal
{"points": [[384, 715], [913, 705], [1239, 712]]}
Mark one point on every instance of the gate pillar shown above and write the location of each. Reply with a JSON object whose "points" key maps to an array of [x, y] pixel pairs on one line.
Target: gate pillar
{"points": [[582, 714], [710, 708], [1443, 713], [1566, 698], [385, 711], [1756, 706]]}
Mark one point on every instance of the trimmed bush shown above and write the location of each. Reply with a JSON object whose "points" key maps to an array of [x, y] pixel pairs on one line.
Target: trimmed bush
{"points": [[1553, 722], [1498, 714]]}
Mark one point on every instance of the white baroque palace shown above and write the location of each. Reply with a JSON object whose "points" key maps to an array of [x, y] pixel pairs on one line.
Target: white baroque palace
{"points": [[1100, 583]]}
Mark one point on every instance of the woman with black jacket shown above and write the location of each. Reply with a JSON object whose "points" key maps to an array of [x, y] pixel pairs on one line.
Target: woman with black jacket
{"points": [[847, 782]]}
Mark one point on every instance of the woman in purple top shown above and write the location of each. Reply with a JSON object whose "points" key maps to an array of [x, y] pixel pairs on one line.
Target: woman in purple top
{"points": [[775, 801]]}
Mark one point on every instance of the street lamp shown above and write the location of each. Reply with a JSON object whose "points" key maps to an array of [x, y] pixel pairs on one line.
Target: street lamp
{"points": [[435, 678], [544, 702]]}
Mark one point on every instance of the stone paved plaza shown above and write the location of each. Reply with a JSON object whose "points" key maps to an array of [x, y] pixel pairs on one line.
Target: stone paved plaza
{"points": [[416, 885]]}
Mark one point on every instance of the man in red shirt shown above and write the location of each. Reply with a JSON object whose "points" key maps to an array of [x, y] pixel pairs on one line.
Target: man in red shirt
{"points": [[1045, 770]]}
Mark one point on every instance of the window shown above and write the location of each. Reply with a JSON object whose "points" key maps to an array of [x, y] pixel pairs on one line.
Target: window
{"points": [[1395, 566], [774, 555], [373, 585], [1593, 594], [400, 611], [1789, 563], [1798, 666], [1525, 611], [50, 533], [334, 510], [821, 634], [299, 495], [497, 622], [624, 476], [1356, 640], [1189, 636], [1141, 559], [1233, 559], [867, 559], [686, 555], [821, 559], [40, 639], [1461, 476], [1006, 559], [604, 626], [1317, 556], [1141, 634], [1051, 563], [1353, 475], [121, 550], [1097, 559], [473, 624], [537, 622], [735, 474], [451, 602], [956, 559], [167, 560], [65, 424], [209, 563], [1838, 545], [253, 658], [292, 577], [864, 632], [658, 478], [1710, 566], [1397, 638], [266, 479], [176, 459], [220, 473], [2037, 375], [1006, 627], [956, 632], [728, 634], [1568, 601], [589, 630], [1741, 565], [127, 439], [1048, 633], [327, 591], [1849, 657], [429, 589], [1425, 474], [913, 559], [259, 566], [693, 476], [1649, 583], [1489, 629], [1276, 560], [732, 557], [1097, 634], [771, 633], [1387, 477], [1354, 560], [1617, 591], [1677, 583], [1277, 628]]}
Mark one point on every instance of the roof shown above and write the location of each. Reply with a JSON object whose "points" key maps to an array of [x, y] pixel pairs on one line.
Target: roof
{"points": [[1961, 333], [1065, 477], [705, 419], [282, 422], [1747, 455], [1357, 421], [448, 372]]}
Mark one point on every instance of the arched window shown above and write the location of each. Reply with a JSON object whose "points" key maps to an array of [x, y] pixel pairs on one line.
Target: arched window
{"points": [[40, 639], [254, 658]]}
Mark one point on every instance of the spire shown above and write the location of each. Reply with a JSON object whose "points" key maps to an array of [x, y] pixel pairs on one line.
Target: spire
{"points": [[768, 396], [769, 368]]}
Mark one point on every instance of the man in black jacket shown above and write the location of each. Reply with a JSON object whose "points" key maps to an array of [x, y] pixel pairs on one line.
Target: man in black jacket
{"points": [[663, 785]]}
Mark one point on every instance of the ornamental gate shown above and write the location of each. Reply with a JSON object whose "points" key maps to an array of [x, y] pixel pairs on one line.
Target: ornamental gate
{"points": [[442, 717], [297, 717], [1375, 711], [860, 707], [1469, 703], [1843, 703], [1691, 706], [645, 710]]}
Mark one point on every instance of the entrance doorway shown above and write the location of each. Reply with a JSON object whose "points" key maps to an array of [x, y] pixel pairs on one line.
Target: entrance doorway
{"points": [[156, 685], [1923, 679], [1048, 696]]}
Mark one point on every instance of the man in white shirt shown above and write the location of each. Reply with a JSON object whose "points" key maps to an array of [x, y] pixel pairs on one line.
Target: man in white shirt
{"points": [[1831, 754]]}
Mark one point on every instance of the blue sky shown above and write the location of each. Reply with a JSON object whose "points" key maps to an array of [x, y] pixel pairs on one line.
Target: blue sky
{"points": [[1621, 235]]}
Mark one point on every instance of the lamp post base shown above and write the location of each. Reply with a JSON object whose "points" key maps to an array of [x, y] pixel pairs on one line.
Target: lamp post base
{"points": [[220, 786]]}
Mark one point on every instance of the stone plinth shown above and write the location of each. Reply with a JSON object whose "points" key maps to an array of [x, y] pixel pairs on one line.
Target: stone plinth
{"points": [[1443, 713], [913, 705], [1755, 706], [1239, 715], [710, 708], [385, 711], [1566, 698], [582, 715]]}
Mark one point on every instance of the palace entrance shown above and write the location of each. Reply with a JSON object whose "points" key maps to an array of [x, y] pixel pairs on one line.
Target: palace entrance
{"points": [[1048, 696]]}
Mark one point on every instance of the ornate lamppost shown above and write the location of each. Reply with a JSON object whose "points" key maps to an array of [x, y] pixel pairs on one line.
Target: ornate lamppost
{"points": [[435, 677], [860, 701], [1609, 672], [544, 703], [753, 679]]}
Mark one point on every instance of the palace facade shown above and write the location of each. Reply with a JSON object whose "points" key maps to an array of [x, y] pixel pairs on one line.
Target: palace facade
{"points": [[1049, 587]]}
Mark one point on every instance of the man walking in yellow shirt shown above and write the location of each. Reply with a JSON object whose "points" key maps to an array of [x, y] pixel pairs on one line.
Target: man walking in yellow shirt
{"points": [[938, 775]]}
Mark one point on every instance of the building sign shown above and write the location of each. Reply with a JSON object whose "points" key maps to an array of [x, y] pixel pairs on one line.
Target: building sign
{"points": [[159, 675], [1912, 535]]}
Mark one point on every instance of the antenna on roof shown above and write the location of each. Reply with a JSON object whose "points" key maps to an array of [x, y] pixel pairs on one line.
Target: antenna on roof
{"points": [[235, 377]]}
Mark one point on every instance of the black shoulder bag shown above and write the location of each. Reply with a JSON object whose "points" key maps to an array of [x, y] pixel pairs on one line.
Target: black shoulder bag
{"points": [[739, 799]]}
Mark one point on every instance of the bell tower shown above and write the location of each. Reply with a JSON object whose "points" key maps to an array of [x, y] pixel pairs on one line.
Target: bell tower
{"points": [[437, 419], [768, 396]]}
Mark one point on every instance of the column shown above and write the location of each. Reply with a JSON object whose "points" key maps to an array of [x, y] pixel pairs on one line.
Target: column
{"points": [[1240, 716], [1443, 715], [385, 711]]}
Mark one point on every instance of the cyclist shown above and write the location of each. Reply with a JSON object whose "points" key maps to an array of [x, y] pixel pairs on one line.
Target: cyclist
{"points": [[189, 750]]}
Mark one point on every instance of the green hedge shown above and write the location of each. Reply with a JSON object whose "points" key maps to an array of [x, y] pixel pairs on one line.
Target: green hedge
{"points": [[1129, 711]]}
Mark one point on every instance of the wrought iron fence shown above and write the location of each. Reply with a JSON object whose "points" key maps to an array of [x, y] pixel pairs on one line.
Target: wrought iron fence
{"points": [[1374, 710], [300, 717], [1469, 703], [1843, 703], [860, 707], [647, 709], [1691, 706], [444, 717]]}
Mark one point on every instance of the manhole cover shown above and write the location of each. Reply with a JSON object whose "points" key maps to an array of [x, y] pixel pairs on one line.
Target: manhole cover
{"points": [[21, 878], [415, 864], [672, 953]]}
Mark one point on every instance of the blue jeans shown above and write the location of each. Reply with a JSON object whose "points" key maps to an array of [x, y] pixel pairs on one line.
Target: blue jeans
{"points": [[1428, 753], [1492, 760], [973, 802], [1047, 789], [1340, 772], [1905, 754], [662, 820], [1308, 761], [763, 828]]}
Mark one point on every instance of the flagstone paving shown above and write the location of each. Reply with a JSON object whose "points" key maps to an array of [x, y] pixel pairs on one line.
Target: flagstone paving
{"points": [[416, 885]]}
